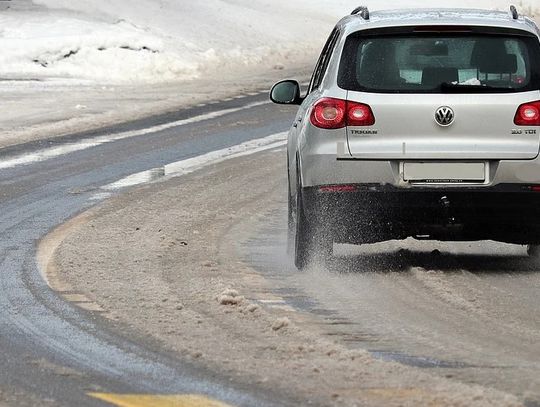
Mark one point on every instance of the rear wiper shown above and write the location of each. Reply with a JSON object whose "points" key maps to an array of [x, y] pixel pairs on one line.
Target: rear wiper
{"points": [[462, 88]]}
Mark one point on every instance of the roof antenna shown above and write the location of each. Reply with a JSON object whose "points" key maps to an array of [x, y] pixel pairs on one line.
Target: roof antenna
{"points": [[514, 12], [363, 11]]}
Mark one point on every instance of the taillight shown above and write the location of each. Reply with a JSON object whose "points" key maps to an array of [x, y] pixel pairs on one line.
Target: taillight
{"points": [[359, 114], [528, 114], [330, 113]]}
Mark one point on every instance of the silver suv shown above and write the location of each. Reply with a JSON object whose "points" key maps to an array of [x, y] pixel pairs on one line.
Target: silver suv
{"points": [[421, 124]]}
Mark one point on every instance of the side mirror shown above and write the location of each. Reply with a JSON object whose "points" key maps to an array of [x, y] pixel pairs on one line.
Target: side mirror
{"points": [[286, 93]]}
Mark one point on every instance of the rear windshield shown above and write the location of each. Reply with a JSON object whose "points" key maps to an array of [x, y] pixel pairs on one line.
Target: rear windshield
{"points": [[440, 63]]}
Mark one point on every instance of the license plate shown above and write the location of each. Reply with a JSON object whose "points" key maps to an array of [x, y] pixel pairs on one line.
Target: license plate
{"points": [[444, 172]]}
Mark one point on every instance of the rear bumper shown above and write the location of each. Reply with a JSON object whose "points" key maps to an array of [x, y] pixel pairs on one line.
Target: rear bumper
{"points": [[371, 213], [323, 169]]}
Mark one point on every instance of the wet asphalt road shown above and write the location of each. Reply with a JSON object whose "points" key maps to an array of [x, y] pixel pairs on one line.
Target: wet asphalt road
{"points": [[54, 352]]}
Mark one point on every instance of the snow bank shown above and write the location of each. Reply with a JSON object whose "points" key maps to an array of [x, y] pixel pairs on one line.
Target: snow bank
{"points": [[58, 46], [169, 40]]}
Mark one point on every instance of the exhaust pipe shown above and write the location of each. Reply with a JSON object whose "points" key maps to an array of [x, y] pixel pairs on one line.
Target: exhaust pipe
{"points": [[447, 206]]}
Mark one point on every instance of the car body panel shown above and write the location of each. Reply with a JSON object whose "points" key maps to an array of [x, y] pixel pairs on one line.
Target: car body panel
{"points": [[406, 128]]}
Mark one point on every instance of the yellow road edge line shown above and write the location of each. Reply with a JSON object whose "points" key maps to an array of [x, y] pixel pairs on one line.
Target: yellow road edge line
{"points": [[149, 400]]}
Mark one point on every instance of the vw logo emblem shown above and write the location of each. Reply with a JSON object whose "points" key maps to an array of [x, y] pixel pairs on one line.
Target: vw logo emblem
{"points": [[444, 116]]}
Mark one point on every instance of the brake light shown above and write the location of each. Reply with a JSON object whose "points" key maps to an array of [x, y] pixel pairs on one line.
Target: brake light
{"points": [[528, 114], [330, 113]]}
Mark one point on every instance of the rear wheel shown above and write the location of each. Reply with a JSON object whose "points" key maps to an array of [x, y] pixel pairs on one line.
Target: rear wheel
{"points": [[311, 243], [302, 249], [291, 222]]}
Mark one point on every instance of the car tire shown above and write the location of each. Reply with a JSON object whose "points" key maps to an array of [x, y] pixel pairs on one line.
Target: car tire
{"points": [[310, 242], [291, 222], [302, 234]]}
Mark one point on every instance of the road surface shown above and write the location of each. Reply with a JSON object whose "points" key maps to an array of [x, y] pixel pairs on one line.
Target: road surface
{"points": [[468, 312], [52, 351]]}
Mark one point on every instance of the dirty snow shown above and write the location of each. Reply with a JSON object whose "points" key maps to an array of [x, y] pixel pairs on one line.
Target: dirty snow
{"points": [[230, 297], [281, 323]]}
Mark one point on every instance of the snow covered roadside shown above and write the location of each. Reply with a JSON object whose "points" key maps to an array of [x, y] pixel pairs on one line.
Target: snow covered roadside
{"points": [[63, 71], [72, 65]]}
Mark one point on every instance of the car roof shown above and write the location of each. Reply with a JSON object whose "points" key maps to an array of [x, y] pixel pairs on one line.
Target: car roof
{"points": [[431, 16]]}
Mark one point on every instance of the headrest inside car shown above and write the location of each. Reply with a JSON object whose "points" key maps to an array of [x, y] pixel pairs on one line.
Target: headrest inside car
{"points": [[506, 63], [490, 56]]}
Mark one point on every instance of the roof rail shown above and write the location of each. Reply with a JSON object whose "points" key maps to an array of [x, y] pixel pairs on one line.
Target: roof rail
{"points": [[363, 11], [514, 12]]}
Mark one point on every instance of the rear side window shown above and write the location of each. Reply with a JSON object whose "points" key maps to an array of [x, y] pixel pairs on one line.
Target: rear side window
{"points": [[324, 59], [433, 63]]}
